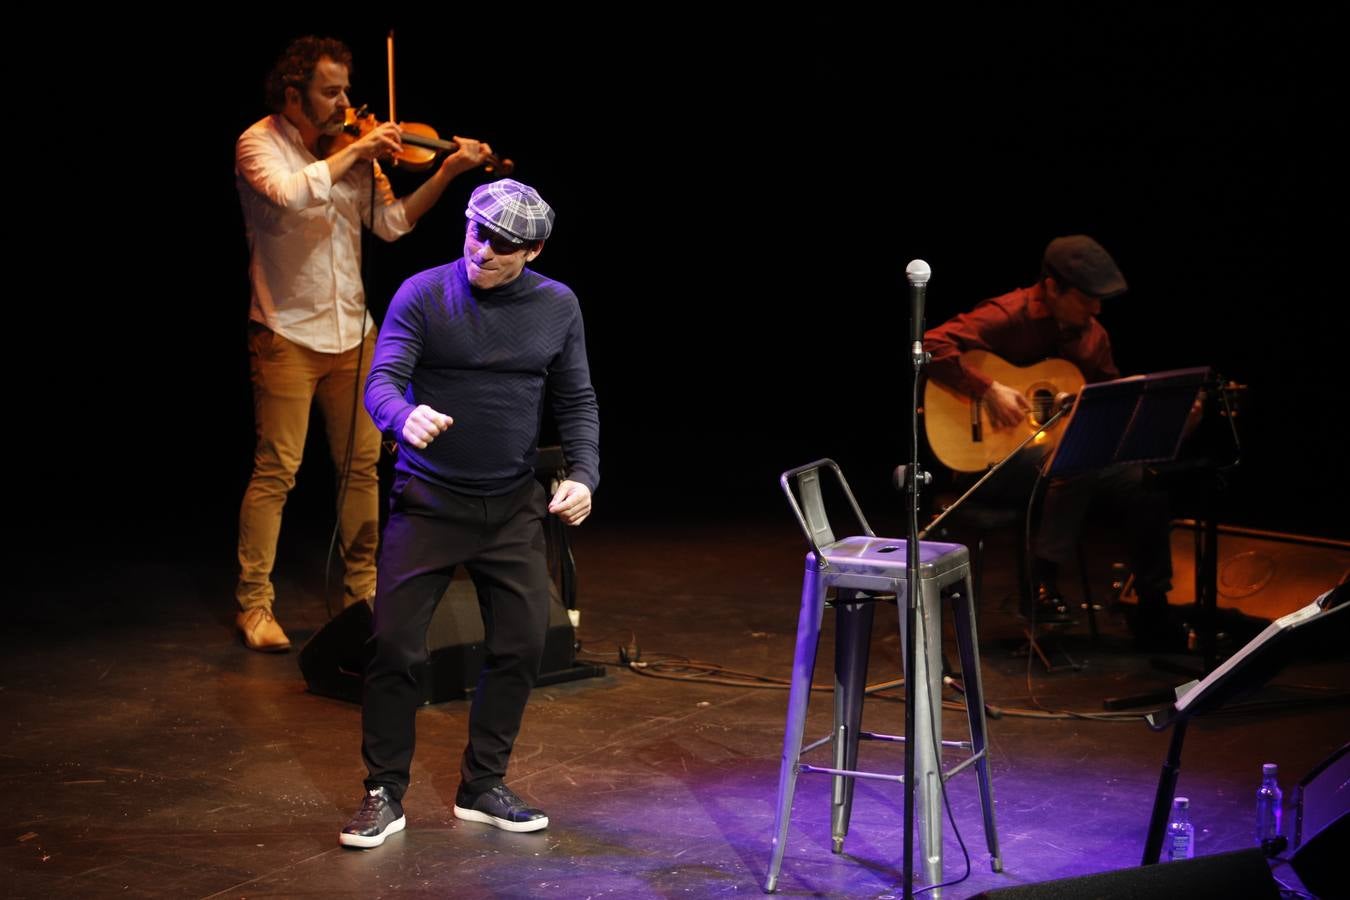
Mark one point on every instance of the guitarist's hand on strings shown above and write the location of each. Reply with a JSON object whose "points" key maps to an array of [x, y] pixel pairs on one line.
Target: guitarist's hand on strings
{"points": [[1006, 407]]}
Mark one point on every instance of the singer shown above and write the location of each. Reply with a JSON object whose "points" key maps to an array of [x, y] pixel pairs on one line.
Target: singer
{"points": [[460, 373], [1057, 317]]}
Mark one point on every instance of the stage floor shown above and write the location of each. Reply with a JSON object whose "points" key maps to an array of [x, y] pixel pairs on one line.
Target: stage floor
{"points": [[146, 753]]}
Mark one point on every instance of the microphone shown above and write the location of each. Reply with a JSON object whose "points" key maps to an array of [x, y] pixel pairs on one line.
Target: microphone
{"points": [[918, 272], [1063, 400]]}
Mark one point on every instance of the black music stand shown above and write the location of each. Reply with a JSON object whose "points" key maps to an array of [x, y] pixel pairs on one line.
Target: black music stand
{"points": [[1323, 623], [1140, 419]]}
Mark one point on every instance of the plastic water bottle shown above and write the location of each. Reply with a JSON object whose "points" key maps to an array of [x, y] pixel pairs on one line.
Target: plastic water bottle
{"points": [[1268, 810], [1180, 831]]}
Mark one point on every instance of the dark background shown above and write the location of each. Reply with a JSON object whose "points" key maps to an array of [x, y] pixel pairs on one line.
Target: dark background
{"points": [[737, 200]]}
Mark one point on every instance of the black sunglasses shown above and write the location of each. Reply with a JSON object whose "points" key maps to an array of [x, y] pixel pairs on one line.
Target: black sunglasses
{"points": [[500, 245]]}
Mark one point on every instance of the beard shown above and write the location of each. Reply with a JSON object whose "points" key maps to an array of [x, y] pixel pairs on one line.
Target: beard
{"points": [[332, 125]]}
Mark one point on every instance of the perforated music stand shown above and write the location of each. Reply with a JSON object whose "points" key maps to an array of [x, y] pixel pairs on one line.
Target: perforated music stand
{"points": [[1140, 419], [1325, 622]]}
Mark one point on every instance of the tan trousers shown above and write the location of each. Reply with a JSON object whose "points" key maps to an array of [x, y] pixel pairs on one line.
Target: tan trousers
{"points": [[287, 379]]}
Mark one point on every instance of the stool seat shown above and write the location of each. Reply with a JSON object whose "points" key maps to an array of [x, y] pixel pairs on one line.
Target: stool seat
{"points": [[859, 568], [878, 556]]}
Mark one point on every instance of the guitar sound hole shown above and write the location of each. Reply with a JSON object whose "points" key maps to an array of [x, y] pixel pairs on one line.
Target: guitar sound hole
{"points": [[1042, 403]]}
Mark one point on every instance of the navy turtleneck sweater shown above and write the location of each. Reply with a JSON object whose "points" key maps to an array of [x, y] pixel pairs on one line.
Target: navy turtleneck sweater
{"points": [[483, 358]]}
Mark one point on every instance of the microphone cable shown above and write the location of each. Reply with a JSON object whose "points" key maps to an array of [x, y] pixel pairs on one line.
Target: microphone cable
{"points": [[345, 470]]}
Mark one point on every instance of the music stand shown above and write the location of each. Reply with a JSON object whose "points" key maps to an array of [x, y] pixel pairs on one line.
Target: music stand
{"points": [[1140, 419], [1324, 622]]}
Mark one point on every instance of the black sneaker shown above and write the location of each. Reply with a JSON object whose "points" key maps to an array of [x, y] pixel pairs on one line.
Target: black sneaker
{"points": [[499, 806], [380, 815]]}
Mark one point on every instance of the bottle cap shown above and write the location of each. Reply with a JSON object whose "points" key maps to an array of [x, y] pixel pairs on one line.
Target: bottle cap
{"points": [[1182, 803], [1270, 769]]}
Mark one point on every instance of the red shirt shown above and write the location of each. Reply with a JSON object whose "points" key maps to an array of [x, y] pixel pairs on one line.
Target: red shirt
{"points": [[1020, 328]]}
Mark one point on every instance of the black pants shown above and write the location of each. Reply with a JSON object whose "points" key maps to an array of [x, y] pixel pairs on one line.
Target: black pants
{"points": [[500, 541], [1140, 514]]}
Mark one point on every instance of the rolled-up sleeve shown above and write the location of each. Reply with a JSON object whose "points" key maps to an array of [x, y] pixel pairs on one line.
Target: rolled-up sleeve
{"points": [[264, 165]]}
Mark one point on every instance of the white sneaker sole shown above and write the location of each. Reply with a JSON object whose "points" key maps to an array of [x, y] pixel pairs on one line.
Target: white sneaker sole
{"points": [[473, 815], [372, 840]]}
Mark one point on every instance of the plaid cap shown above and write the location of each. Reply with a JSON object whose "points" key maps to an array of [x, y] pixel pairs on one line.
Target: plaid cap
{"points": [[511, 209], [1078, 261]]}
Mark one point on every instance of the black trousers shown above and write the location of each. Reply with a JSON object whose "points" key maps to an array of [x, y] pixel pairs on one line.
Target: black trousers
{"points": [[500, 541], [1141, 516]]}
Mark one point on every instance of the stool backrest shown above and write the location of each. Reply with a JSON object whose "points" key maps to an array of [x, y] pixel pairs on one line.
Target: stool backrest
{"points": [[810, 508]]}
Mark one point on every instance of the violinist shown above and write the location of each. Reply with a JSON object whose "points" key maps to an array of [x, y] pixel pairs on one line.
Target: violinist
{"points": [[305, 198]]}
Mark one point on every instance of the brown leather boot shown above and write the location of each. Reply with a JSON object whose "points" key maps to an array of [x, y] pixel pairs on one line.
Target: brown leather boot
{"points": [[261, 631]]}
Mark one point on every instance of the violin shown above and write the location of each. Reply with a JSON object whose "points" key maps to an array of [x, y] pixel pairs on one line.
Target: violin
{"points": [[421, 143]]}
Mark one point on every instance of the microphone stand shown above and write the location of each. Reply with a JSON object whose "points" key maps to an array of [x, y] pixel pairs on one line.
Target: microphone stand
{"points": [[917, 272], [1065, 404]]}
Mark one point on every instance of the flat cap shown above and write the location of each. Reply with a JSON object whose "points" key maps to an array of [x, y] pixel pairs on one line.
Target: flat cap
{"points": [[1078, 261], [511, 209]]}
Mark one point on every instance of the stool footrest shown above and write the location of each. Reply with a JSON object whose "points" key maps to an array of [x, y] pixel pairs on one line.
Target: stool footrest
{"points": [[900, 739], [849, 773], [968, 761], [814, 744], [947, 774]]}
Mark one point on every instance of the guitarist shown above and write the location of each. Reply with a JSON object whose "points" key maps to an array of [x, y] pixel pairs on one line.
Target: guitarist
{"points": [[1057, 317]]}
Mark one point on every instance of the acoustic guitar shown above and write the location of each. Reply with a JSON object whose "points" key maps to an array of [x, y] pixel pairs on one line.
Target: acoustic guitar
{"points": [[958, 427]]}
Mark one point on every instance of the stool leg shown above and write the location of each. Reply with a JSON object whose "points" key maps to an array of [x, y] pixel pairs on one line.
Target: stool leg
{"points": [[803, 669], [968, 643], [852, 643], [927, 692]]}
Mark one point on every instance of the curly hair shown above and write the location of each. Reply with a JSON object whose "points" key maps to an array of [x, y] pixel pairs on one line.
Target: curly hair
{"points": [[295, 67]]}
